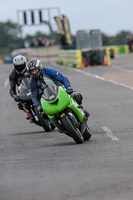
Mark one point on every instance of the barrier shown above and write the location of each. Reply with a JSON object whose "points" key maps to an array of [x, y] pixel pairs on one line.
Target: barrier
{"points": [[45, 54], [126, 48], [93, 57], [71, 58], [1, 62], [121, 49], [116, 50], [75, 58]]}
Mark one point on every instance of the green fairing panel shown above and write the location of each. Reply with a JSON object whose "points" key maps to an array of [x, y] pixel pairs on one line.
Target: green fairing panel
{"points": [[74, 107], [63, 102]]}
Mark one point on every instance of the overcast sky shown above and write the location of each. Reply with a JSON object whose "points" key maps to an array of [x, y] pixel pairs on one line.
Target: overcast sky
{"points": [[110, 16]]}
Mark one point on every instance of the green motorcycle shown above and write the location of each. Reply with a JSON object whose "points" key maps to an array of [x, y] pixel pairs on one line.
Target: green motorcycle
{"points": [[64, 112]]}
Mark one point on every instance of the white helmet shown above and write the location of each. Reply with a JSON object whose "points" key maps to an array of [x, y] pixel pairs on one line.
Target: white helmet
{"points": [[19, 63]]}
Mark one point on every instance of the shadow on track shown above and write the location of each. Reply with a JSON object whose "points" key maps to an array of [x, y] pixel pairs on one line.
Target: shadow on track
{"points": [[28, 133]]}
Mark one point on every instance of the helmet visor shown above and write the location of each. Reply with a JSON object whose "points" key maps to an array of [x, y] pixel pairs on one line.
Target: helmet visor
{"points": [[19, 68]]}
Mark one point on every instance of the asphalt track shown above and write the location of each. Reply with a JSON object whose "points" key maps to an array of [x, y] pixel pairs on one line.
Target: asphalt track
{"points": [[35, 165]]}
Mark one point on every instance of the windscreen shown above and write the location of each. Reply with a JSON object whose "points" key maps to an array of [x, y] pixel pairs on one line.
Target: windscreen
{"points": [[50, 93], [25, 83]]}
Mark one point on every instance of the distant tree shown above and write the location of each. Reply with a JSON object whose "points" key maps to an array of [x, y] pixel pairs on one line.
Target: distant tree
{"points": [[118, 39], [10, 38], [107, 40]]}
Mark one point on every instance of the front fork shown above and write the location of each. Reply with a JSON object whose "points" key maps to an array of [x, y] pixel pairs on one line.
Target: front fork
{"points": [[78, 112], [56, 123]]}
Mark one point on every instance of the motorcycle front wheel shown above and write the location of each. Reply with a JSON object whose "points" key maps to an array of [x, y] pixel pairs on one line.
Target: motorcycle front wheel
{"points": [[87, 134], [73, 131]]}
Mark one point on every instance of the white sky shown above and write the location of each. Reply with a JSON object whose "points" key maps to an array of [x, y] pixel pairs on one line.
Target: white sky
{"points": [[110, 16]]}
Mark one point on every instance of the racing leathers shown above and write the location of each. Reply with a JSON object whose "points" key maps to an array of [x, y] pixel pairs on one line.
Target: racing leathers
{"points": [[14, 79], [47, 73]]}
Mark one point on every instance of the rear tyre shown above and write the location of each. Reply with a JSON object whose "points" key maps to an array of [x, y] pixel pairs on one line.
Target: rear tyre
{"points": [[72, 130], [45, 123], [87, 134]]}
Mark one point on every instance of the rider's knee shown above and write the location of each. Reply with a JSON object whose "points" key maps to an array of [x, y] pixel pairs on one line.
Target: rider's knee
{"points": [[78, 97]]}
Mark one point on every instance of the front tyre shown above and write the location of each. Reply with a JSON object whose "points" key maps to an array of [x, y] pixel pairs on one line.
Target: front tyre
{"points": [[87, 134], [72, 130]]}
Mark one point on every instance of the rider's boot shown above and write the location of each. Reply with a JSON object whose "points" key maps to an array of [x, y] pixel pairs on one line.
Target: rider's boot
{"points": [[29, 115], [87, 114]]}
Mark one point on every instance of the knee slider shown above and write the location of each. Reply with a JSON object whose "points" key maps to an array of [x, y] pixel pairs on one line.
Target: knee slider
{"points": [[78, 98]]}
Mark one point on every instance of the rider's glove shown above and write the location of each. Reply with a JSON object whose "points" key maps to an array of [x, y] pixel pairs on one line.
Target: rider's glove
{"points": [[26, 74], [16, 98], [39, 109], [69, 90]]}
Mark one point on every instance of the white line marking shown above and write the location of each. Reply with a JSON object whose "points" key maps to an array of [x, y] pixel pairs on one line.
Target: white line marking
{"points": [[103, 79], [6, 83], [126, 70], [98, 77], [109, 133]]}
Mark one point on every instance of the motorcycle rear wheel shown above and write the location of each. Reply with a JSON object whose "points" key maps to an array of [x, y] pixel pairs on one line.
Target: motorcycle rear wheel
{"points": [[45, 124], [73, 131]]}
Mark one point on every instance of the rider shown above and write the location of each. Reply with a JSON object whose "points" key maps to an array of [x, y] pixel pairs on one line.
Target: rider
{"points": [[39, 75], [19, 71]]}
